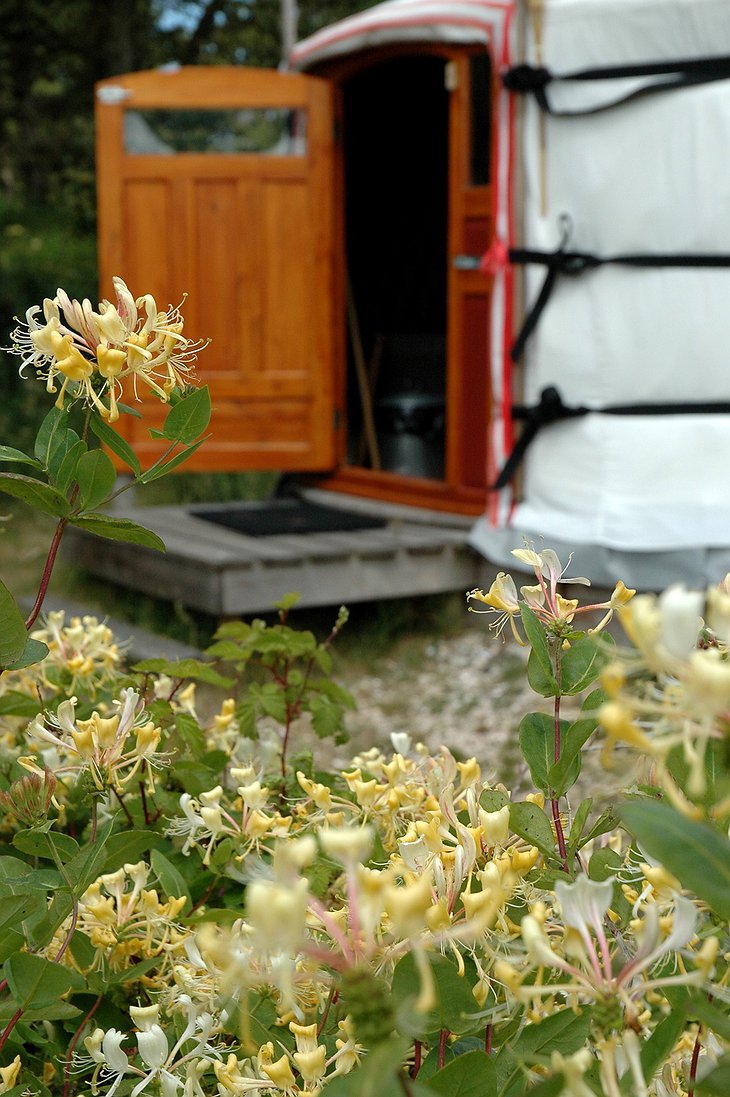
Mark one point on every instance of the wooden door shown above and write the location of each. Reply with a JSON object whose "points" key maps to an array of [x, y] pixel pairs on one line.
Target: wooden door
{"points": [[216, 182], [471, 231]]}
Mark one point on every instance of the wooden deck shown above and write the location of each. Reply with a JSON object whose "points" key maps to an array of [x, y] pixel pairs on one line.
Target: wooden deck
{"points": [[225, 573]]}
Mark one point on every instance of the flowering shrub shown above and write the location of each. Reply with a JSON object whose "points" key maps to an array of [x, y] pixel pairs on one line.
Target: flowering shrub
{"points": [[188, 905]]}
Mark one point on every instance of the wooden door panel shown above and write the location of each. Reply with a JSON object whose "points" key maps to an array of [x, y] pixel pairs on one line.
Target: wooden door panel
{"points": [[248, 237]]}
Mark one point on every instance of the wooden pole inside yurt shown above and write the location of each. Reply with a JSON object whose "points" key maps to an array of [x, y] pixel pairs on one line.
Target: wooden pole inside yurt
{"points": [[289, 23]]}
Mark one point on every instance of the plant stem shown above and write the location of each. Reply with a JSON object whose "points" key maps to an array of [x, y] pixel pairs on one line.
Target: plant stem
{"points": [[67, 1087], [9, 1027], [555, 801], [443, 1037], [47, 572]]}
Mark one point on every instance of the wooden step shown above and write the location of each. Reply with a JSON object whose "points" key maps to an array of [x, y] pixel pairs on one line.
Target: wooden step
{"points": [[225, 573]]}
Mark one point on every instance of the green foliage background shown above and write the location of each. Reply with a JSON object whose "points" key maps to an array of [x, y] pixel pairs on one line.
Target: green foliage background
{"points": [[52, 52]]}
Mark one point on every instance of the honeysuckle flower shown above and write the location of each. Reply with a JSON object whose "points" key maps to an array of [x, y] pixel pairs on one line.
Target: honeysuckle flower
{"points": [[9, 1074], [83, 649], [105, 1050], [665, 629], [573, 1068], [543, 598], [112, 749], [548, 566], [93, 351], [502, 599], [348, 845]]}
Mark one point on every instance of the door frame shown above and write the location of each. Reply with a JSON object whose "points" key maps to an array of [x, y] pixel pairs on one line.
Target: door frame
{"points": [[450, 493]]}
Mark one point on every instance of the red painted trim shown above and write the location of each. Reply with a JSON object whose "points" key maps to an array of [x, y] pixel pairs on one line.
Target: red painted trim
{"points": [[330, 37]]}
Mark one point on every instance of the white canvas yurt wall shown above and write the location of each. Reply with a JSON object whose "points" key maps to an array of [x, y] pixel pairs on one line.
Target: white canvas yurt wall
{"points": [[642, 496]]}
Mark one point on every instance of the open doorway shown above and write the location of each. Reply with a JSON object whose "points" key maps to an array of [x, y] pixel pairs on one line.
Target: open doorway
{"points": [[396, 141]]}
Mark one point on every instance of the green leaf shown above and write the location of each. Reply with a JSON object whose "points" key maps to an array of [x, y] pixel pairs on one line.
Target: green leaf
{"points": [[537, 742], [96, 477], [12, 628], [7, 453], [604, 823], [66, 474], [63, 443], [34, 651], [15, 703], [456, 1007], [564, 1031], [542, 669], [13, 910], [579, 821], [82, 950], [539, 681], [41, 930], [115, 443], [492, 799], [554, 1086], [469, 1075], [326, 716], [530, 822], [172, 882], [35, 982], [37, 843], [717, 1082], [713, 1018], [196, 669], [696, 853], [656, 1050], [604, 863], [88, 864], [187, 420], [129, 845], [162, 469], [580, 665], [119, 529], [129, 410], [53, 426], [379, 1075], [35, 493], [563, 774]]}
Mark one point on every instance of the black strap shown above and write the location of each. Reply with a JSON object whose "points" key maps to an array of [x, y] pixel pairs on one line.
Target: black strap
{"points": [[534, 80], [563, 261], [551, 409]]}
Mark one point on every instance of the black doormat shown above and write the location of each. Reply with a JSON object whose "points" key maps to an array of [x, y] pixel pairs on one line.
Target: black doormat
{"points": [[282, 516]]}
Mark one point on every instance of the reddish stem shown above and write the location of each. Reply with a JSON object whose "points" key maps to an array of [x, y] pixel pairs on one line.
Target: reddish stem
{"points": [[555, 800], [443, 1037], [417, 1056], [488, 1040], [72, 1046], [9, 1027], [693, 1064], [47, 572]]}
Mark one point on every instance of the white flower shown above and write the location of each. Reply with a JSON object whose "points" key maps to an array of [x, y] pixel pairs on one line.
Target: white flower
{"points": [[584, 902], [347, 844], [680, 619]]}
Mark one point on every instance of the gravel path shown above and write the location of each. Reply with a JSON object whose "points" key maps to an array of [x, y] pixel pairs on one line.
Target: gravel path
{"points": [[468, 691]]}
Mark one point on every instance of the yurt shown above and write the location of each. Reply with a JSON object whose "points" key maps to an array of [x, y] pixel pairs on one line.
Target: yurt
{"points": [[609, 359], [471, 257]]}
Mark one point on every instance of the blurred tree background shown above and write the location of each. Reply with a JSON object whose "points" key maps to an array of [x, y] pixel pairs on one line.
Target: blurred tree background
{"points": [[52, 52]]}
